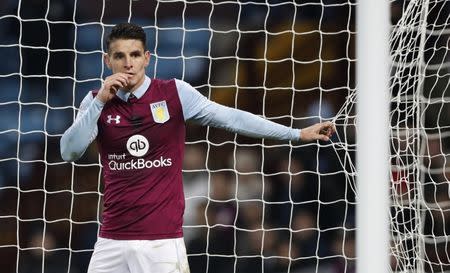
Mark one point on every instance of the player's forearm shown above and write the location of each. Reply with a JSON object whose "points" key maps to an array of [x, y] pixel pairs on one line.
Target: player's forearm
{"points": [[83, 131], [247, 124]]}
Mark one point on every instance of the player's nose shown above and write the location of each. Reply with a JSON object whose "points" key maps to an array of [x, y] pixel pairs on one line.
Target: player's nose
{"points": [[128, 62]]}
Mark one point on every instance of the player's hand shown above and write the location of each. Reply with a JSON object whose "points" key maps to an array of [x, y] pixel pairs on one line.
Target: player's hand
{"points": [[319, 131], [111, 85]]}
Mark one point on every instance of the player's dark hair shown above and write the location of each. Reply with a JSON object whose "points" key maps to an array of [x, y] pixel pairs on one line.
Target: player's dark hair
{"points": [[126, 31]]}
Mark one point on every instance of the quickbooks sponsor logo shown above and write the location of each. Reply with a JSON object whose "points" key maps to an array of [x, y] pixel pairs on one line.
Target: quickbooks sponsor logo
{"points": [[137, 145], [140, 163]]}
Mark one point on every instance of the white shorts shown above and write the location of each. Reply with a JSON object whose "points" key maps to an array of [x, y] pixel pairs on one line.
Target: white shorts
{"points": [[139, 256]]}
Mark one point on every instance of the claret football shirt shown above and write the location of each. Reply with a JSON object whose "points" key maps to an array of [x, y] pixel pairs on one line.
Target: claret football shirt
{"points": [[141, 144]]}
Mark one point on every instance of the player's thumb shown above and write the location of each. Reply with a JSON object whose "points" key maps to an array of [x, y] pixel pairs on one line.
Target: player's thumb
{"points": [[323, 137]]}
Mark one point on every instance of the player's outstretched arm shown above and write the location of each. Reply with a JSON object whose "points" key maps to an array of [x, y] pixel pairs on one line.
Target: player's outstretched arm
{"points": [[199, 109], [319, 131]]}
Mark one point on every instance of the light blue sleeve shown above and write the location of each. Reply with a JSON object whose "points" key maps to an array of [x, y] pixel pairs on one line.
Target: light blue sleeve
{"points": [[83, 131], [199, 109]]}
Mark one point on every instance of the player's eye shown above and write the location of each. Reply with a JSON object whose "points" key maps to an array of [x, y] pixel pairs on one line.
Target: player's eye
{"points": [[118, 56]]}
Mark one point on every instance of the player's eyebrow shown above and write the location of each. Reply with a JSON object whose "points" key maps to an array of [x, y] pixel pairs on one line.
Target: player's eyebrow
{"points": [[121, 54], [136, 52], [118, 54]]}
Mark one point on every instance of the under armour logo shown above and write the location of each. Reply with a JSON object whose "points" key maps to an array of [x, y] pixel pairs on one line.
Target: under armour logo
{"points": [[116, 119]]}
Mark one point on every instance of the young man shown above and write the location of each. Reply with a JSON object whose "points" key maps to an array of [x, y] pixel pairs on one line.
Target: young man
{"points": [[139, 124]]}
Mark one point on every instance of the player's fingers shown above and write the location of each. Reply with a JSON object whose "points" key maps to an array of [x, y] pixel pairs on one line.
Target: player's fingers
{"points": [[114, 89], [113, 86], [120, 82], [333, 127], [323, 137], [324, 130], [122, 79], [123, 76], [330, 131], [118, 77], [329, 127]]}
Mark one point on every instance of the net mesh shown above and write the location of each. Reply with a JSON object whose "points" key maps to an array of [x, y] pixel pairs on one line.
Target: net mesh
{"points": [[420, 120], [251, 205], [419, 133]]}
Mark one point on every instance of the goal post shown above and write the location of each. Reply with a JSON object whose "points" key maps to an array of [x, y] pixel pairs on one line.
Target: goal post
{"points": [[372, 157]]}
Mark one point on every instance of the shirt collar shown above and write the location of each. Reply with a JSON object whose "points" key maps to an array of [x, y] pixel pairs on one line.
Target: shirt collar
{"points": [[139, 92]]}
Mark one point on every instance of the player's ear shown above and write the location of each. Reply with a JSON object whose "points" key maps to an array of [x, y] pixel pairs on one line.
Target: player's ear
{"points": [[147, 57], [106, 60]]}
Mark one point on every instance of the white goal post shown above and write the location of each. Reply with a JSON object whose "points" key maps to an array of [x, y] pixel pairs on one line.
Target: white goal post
{"points": [[251, 205], [372, 158]]}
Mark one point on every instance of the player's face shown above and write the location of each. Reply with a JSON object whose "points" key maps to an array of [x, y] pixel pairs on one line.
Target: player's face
{"points": [[130, 57]]}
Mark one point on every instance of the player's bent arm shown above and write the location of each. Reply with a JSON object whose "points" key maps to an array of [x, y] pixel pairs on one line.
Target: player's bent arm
{"points": [[83, 131], [198, 108]]}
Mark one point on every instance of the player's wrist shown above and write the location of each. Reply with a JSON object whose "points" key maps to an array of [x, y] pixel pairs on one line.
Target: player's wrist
{"points": [[296, 134], [103, 95], [100, 100], [307, 134], [304, 135]]}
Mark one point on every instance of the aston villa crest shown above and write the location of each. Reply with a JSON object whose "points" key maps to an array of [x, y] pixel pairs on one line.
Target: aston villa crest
{"points": [[160, 112]]}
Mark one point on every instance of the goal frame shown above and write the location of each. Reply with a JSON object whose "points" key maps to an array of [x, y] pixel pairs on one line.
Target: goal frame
{"points": [[372, 156]]}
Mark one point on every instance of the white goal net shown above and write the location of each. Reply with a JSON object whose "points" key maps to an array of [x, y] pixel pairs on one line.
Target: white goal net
{"points": [[420, 137], [251, 205]]}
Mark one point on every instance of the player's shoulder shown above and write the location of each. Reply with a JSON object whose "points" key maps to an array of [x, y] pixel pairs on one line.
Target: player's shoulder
{"points": [[177, 81], [88, 98], [163, 82], [90, 95], [180, 85]]}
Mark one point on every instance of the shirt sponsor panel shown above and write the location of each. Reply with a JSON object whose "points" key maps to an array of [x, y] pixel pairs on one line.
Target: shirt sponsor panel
{"points": [[137, 146], [139, 164]]}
